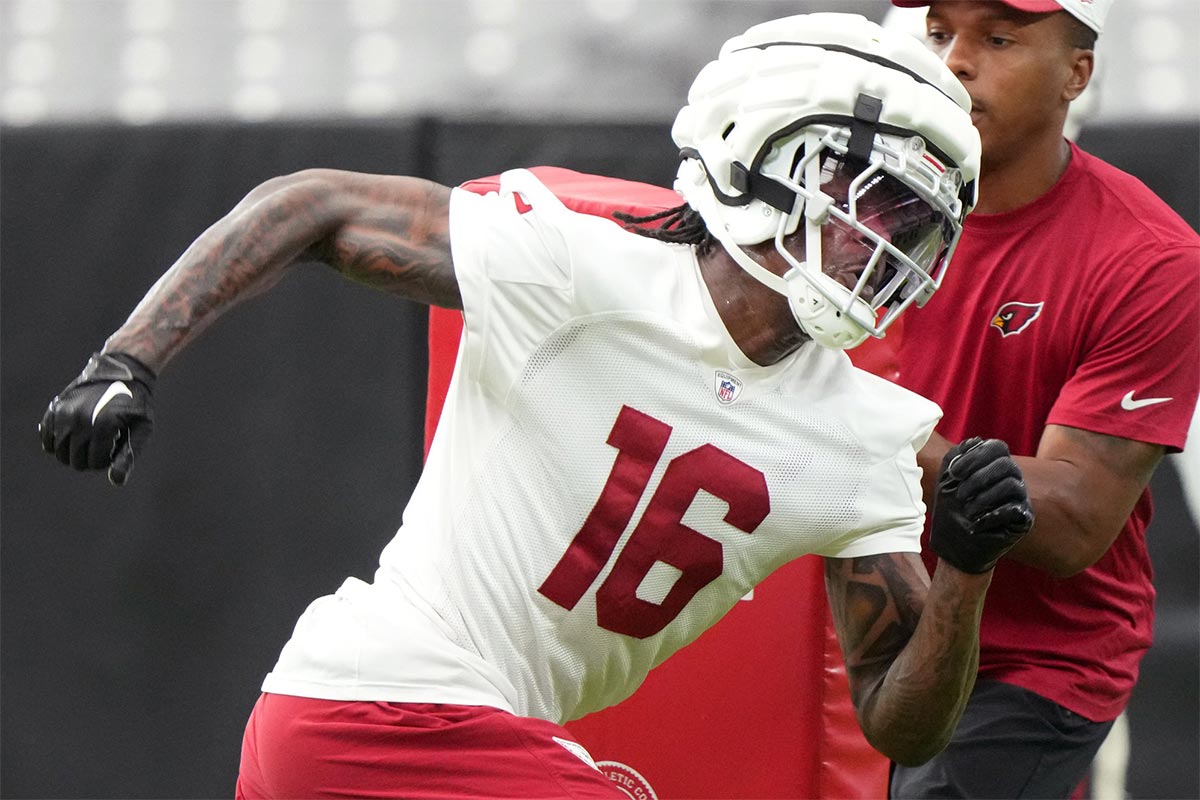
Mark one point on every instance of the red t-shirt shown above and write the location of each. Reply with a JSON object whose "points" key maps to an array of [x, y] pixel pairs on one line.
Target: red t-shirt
{"points": [[1080, 309]]}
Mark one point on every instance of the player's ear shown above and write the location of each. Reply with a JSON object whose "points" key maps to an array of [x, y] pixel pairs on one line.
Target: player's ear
{"points": [[1083, 63]]}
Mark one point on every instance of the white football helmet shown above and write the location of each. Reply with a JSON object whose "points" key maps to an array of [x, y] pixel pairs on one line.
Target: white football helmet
{"points": [[860, 133]]}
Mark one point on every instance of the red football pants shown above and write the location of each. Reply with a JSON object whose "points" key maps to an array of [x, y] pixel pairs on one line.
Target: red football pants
{"points": [[300, 747]]}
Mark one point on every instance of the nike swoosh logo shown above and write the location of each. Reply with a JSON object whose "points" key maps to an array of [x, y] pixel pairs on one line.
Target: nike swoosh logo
{"points": [[1129, 404], [115, 389]]}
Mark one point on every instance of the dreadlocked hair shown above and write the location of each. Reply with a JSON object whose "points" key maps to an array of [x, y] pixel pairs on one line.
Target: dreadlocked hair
{"points": [[679, 225]]}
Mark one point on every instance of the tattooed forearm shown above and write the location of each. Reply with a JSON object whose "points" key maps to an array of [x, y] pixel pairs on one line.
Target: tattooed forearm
{"points": [[235, 259], [911, 648], [880, 604], [391, 233]]}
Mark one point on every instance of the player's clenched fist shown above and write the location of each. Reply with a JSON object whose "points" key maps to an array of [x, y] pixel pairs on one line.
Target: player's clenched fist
{"points": [[103, 417], [981, 508]]}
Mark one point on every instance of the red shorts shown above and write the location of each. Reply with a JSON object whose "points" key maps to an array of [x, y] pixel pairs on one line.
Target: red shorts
{"points": [[300, 747]]}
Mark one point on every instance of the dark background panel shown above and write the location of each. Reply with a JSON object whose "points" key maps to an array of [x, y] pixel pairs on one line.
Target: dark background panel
{"points": [[461, 150], [1166, 157], [138, 623], [1164, 714]]}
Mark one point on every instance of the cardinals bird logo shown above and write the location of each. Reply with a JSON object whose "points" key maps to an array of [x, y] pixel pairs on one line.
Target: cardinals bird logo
{"points": [[1015, 317]]}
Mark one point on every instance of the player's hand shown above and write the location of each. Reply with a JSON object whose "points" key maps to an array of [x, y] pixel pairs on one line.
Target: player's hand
{"points": [[981, 508], [103, 417]]}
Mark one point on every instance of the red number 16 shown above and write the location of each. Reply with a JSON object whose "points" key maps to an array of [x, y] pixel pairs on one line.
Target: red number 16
{"points": [[660, 535]]}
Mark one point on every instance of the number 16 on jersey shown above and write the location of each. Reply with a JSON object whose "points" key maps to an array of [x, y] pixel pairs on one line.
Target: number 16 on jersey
{"points": [[660, 534]]}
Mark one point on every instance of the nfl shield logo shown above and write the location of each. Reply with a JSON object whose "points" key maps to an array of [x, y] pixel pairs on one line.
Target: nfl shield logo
{"points": [[728, 387]]}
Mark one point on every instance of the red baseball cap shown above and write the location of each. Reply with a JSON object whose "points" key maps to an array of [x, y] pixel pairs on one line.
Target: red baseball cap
{"points": [[1090, 12]]}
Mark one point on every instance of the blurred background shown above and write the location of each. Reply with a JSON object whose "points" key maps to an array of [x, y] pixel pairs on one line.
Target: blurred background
{"points": [[137, 624], [145, 61]]}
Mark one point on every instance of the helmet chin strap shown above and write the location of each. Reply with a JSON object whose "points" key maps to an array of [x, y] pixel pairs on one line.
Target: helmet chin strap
{"points": [[690, 184], [815, 313], [811, 298], [813, 309]]}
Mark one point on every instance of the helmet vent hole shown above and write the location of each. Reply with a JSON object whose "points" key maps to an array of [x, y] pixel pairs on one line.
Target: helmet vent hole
{"points": [[728, 130]]}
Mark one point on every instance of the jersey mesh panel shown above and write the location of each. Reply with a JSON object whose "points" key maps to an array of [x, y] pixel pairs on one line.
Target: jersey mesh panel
{"points": [[543, 476]]}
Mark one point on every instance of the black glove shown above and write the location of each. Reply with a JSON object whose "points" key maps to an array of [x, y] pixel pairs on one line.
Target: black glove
{"points": [[103, 417], [981, 509]]}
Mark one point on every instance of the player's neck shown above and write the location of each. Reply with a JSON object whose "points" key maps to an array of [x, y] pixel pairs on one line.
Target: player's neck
{"points": [[1006, 184], [759, 320]]}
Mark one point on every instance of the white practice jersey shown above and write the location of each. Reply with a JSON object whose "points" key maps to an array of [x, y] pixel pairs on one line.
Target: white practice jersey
{"points": [[609, 477]]}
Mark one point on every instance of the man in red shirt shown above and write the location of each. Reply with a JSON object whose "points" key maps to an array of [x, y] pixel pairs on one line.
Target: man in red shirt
{"points": [[1070, 328]]}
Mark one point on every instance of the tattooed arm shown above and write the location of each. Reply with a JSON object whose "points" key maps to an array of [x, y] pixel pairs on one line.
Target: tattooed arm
{"points": [[911, 644], [911, 647], [387, 232]]}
